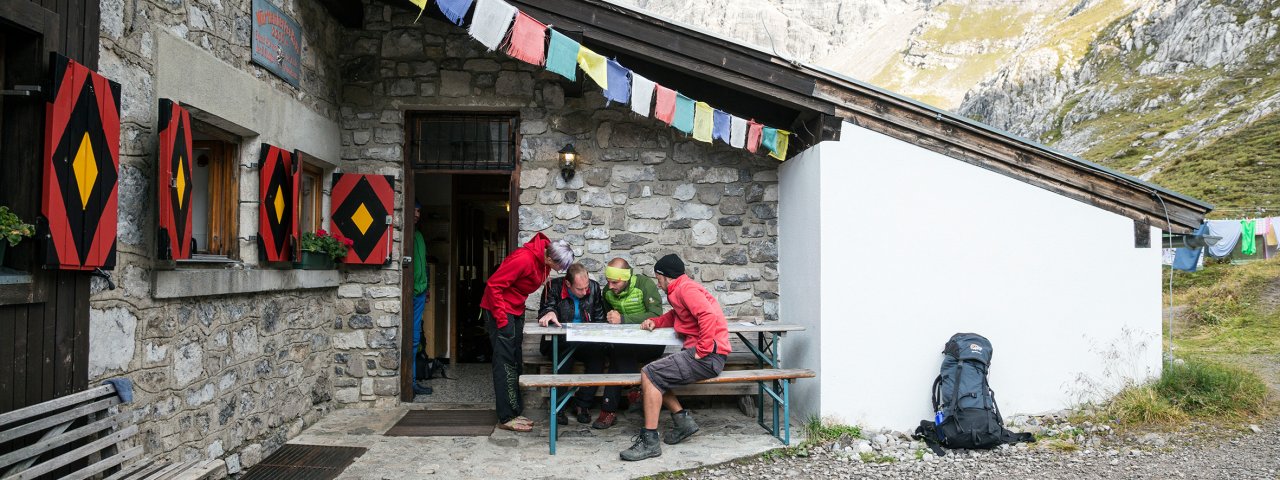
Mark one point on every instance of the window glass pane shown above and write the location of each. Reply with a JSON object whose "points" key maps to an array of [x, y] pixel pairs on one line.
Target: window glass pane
{"points": [[463, 142], [204, 159]]}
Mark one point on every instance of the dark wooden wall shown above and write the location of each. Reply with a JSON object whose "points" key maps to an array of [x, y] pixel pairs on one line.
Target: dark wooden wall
{"points": [[44, 325]]}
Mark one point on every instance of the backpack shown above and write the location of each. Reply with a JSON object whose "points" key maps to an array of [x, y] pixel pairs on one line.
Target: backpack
{"points": [[966, 415], [429, 368]]}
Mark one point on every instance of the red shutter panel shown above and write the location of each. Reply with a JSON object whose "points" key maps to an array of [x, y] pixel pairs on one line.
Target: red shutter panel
{"points": [[278, 180], [361, 211], [81, 165], [174, 181]]}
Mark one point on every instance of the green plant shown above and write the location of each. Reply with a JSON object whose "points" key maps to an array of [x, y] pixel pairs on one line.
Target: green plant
{"points": [[12, 229], [1209, 389], [335, 245], [871, 457], [1142, 404]]}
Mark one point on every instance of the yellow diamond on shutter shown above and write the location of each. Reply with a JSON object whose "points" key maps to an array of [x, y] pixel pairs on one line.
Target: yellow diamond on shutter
{"points": [[181, 181], [85, 169], [362, 218], [280, 204]]}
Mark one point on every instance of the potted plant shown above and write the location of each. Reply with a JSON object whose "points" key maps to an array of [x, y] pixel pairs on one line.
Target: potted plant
{"points": [[320, 250], [12, 230]]}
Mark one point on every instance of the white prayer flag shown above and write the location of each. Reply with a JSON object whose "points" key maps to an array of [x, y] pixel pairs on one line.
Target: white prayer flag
{"points": [[737, 132], [641, 94], [490, 22]]}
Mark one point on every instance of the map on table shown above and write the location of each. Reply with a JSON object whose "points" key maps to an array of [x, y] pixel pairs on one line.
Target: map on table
{"points": [[625, 333]]}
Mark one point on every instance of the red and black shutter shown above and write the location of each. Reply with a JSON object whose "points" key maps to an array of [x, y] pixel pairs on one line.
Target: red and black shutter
{"points": [[174, 181], [81, 166], [278, 180], [362, 206]]}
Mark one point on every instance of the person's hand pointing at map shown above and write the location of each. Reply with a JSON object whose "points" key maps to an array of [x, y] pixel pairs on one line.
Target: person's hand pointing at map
{"points": [[549, 318]]}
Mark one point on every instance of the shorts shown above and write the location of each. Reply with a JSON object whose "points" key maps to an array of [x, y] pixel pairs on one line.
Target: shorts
{"points": [[683, 368]]}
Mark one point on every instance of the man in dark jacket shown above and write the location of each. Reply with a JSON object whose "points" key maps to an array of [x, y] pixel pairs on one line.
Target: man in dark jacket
{"points": [[576, 298]]}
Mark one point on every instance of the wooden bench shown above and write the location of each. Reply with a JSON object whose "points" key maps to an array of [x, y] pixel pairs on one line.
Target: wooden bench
{"points": [[76, 436], [775, 382]]}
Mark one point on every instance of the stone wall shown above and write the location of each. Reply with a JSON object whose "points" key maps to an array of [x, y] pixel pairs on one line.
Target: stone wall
{"points": [[643, 189], [231, 376]]}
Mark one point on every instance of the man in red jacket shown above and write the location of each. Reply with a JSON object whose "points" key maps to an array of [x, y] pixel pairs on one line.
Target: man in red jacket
{"points": [[696, 315]]}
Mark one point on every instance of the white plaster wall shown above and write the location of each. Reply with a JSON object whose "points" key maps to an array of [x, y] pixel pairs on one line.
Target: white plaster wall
{"points": [[799, 273], [917, 246]]}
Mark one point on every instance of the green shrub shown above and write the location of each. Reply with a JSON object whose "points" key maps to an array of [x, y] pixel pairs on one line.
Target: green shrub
{"points": [[1143, 405], [1208, 389]]}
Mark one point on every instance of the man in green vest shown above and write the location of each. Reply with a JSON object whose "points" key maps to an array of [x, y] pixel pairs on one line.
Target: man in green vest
{"points": [[630, 298], [419, 297]]}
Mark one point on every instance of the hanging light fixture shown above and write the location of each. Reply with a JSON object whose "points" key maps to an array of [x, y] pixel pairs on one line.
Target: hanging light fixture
{"points": [[568, 162]]}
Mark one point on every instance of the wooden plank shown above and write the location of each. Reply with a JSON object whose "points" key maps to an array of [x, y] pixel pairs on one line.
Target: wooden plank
{"points": [[59, 356], [695, 390], [6, 358], [77, 454], [46, 444], [532, 328], [63, 417], [169, 471], [138, 470], [615, 379], [57, 403], [80, 347], [105, 464]]}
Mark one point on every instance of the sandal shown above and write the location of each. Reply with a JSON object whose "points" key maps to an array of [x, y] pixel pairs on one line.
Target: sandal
{"points": [[516, 426], [523, 419]]}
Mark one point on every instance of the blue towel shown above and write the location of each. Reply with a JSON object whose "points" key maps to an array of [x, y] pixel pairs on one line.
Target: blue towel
{"points": [[1229, 230], [720, 126], [562, 55], [1187, 259], [124, 388], [684, 114], [455, 10], [619, 83]]}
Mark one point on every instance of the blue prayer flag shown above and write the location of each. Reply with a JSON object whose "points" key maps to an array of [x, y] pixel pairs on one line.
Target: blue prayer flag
{"points": [[619, 83], [720, 126], [684, 114], [562, 55], [455, 10]]}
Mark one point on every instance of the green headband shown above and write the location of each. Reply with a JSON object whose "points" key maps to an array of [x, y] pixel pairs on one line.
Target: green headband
{"points": [[614, 274]]}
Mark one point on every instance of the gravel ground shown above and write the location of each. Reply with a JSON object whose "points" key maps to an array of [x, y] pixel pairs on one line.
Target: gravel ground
{"points": [[1227, 455]]}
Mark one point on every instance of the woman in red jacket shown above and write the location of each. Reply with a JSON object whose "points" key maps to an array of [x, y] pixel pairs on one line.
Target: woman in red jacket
{"points": [[502, 307]]}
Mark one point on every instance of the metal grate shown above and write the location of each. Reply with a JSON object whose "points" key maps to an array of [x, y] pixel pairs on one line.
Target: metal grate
{"points": [[313, 462], [463, 142], [445, 423]]}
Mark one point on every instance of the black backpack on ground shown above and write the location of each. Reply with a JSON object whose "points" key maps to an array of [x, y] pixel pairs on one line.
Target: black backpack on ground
{"points": [[966, 415]]}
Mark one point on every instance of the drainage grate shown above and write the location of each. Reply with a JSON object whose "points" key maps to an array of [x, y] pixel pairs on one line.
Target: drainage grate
{"points": [[312, 462], [445, 423]]}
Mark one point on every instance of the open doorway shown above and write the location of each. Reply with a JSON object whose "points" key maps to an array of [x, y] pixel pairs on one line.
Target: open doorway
{"points": [[465, 179]]}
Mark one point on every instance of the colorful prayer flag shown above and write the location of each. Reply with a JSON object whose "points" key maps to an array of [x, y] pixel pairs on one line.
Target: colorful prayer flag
{"points": [[720, 126], [684, 114], [528, 40], [490, 22], [641, 94], [454, 10], [665, 108], [562, 56], [422, 7], [753, 136], [594, 65], [619, 83], [737, 132], [776, 141], [702, 114]]}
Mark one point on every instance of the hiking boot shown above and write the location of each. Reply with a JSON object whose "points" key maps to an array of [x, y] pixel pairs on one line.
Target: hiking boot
{"points": [[645, 446], [605, 420], [582, 414], [562, 418], [683, 426], [421, 389]]}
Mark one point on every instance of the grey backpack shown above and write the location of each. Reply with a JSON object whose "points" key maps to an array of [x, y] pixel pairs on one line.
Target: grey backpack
{"points": [[965, 411]]}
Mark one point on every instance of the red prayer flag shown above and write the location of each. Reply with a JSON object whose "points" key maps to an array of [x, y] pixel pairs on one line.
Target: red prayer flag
{"points": [[753, 136], [665, 107], [528, 40]]}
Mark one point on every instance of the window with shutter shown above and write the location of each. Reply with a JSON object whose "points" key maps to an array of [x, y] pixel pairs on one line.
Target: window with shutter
{"points": [[361, 210], [175, 186], [279, 176], [81, 164]]}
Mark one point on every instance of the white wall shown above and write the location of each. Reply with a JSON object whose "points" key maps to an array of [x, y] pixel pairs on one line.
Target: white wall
{"points": [[799, 271], [916, 246]]}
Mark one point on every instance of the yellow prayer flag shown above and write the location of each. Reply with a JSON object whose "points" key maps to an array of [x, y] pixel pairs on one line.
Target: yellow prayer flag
{"points": [[780, 153], [594, 64], [702, 122], [422, 7]]}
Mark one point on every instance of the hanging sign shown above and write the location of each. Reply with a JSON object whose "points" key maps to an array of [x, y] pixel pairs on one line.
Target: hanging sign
{"points": [[277, 42]]}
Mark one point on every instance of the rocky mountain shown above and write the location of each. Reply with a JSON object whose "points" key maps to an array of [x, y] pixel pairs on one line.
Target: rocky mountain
{"points": [[1140, 86]]}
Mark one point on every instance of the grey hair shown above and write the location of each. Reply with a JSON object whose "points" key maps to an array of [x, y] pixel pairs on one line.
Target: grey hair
{"points": [[561, 253]]}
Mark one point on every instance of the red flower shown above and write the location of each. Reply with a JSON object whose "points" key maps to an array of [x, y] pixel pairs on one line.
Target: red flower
{"points": [[321, 232], [348, 242]]}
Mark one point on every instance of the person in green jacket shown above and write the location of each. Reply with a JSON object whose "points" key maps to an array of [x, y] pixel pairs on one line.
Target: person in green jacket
{"points": [[419, 296], [630, 298]]}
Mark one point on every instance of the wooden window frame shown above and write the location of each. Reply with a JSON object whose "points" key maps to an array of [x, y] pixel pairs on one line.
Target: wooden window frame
{"points": [[311, 169], [223, 189]]}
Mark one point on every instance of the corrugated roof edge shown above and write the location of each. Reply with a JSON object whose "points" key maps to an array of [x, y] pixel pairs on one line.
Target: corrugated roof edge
{"points": [[951, 116]]}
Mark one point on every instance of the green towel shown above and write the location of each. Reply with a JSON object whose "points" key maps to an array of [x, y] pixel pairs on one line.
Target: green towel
{"points": [[1247, 245]]}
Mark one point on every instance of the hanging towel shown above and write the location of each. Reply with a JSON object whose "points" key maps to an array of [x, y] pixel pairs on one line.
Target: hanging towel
{"points": [[737, 132], [124, 388], [1187, 259], [779, 150], [1229, 230], [619, 83], [754, 131], [702, 114], [1248, 238], [528, 42], [720, 126], [684, 114], [665, 107], [1273, 224], [422, 7], [641, 94], [490, 22], [593, 64], [562, 56], [454, 10]]}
